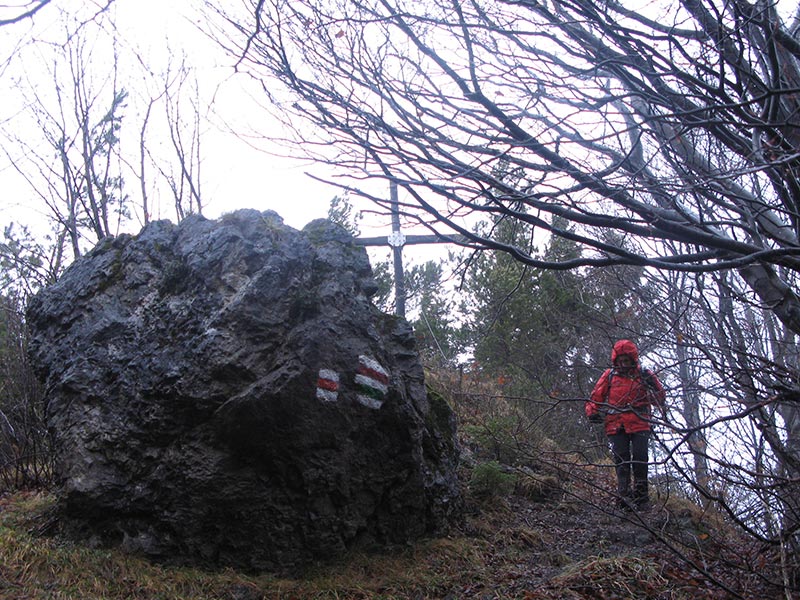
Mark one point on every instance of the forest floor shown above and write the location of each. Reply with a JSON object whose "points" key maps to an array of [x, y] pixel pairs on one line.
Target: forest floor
{"points": [[511, 546], [545, 529]]}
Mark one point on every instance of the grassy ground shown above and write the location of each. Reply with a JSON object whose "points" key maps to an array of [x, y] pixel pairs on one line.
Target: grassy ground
{"points": [[541, 532], [511, 548], [36, 567]]}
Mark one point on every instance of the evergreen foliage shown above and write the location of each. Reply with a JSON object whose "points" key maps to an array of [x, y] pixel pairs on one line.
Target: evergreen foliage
{"points": [[342, 213]]}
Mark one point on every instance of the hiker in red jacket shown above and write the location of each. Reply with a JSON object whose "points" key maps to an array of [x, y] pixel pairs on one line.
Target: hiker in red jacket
{"points": [[622, 400]]}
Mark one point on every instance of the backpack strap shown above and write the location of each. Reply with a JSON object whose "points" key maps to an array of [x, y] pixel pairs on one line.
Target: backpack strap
{"points": [[608, 385], [645, 375]]}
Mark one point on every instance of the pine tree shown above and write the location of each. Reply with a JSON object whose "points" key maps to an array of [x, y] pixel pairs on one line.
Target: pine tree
{"points": [[546, 335]]}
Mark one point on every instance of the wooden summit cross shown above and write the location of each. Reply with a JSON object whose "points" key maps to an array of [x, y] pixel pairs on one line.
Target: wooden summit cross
{"points": [[397, 240]]}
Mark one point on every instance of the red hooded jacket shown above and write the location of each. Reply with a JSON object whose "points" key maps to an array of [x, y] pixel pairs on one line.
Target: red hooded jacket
{"points": [[628, 403]]}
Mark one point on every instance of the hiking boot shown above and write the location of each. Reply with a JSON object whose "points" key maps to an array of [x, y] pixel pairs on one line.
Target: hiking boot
{"points": [[625, 503], [642, 501], [641, 495]]}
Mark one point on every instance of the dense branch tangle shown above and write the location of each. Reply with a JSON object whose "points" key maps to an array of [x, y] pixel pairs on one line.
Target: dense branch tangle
{"points": [[678, 125]]}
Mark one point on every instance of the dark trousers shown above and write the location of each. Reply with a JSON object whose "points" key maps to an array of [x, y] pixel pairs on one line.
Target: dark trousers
{"points": [[630, 458]]}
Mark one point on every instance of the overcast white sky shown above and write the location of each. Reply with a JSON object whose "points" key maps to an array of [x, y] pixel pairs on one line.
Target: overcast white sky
{"points": [[234, 174]]}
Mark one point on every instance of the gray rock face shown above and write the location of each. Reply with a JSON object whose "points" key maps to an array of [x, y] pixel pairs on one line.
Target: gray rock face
{"points": [[224, 393]]}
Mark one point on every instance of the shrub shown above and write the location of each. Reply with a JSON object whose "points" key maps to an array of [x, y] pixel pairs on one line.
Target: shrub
{"points": [[497, 436], [489, 480]]}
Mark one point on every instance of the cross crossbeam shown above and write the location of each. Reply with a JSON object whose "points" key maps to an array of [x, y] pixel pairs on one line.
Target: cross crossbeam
{"points": [[396, 240]]}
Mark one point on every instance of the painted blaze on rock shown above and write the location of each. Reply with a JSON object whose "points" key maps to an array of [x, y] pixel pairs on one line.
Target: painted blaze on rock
{"points": [[224, 392], [373, 382]]}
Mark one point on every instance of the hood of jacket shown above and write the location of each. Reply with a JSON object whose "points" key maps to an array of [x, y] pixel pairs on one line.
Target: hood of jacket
{"points": [[625, 347]]}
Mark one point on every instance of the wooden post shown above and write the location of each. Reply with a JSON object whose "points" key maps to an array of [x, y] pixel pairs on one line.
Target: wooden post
{"points": [[396, 242]]}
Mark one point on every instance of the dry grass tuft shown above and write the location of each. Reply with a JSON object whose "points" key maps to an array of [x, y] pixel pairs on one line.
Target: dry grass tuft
{"points": [[617, 578], [34, 568], [537, 486]]}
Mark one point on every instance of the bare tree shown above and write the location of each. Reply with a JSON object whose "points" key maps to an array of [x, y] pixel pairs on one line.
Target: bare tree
{"points": [[23, 12], [173, 112], [676, 322], [674, 127], [679, 125], [717, 350], [70, 155], [66, 138], [183, 117]]}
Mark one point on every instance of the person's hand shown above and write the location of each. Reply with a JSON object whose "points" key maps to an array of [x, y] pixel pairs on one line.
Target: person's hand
{"points": [[596, 418]]}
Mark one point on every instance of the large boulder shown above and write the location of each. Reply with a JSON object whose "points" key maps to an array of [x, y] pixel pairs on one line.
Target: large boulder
{"points": [[225, 393]]}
